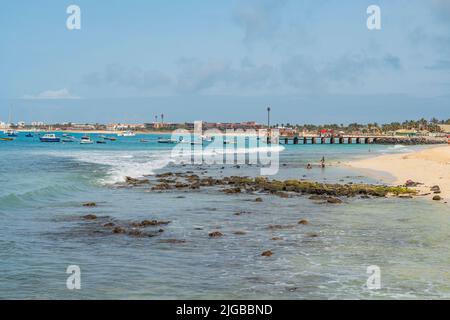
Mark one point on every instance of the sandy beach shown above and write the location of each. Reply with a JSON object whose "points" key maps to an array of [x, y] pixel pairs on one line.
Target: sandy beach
{"points": [[430, 167]]}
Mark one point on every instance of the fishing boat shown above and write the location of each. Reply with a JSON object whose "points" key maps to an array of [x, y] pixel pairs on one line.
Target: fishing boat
{"points": [[86, 140], [6, 139], [11, 133], [109, 138], [126, 134], [29, 135], [50, 137]]}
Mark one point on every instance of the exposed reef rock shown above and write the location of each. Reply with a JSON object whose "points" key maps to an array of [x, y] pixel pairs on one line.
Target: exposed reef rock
{"points": [[326, 192], [409, 140], [267, 253]]}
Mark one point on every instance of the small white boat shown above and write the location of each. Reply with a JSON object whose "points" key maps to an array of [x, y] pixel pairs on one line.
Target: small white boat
{"points": [[86, 140], [126, 134], [207, 139]]}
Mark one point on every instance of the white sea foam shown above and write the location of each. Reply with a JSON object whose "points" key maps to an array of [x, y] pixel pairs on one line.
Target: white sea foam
{"points": [[140, 163], [398, 148]]}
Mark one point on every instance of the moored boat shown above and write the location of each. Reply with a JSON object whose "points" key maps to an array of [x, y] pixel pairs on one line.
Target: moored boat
{"points": [[6, 139], [126, 134], [86, 140], [11, 133], [68, 138], [50, 137]]}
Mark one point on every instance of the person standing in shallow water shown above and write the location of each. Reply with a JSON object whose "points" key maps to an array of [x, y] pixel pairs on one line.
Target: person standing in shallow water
{"points": [[322, 162]]}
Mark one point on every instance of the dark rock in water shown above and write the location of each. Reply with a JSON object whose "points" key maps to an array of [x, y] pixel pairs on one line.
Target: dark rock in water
{"points": [[303, 221], [133, 181], [334, 200], [215, 234], [89, 204], [318, 198], [437, 198], [173, 241], [109, 225], [146, 223], [365, 197], [279, 227], [181, 197], [232, 190], [162, 186], [90, 217], [267, 253], [276, 238], [118, 230], [312, 235], [239, 233], [164, 175], [405, 197], [180, 185], [258, 200]]}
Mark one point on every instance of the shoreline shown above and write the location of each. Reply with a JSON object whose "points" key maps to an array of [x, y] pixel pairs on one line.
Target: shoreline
{"points": [[429, 167]]}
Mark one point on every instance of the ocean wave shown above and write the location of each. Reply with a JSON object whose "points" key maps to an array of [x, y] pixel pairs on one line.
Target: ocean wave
{"points": [[39, 195], [139, 163]]}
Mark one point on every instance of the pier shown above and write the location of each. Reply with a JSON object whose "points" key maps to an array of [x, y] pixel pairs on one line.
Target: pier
{"points": [[327, 140], [359, 139]]}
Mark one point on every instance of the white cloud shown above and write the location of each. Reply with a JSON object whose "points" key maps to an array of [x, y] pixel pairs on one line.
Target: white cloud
{"points": [[53, 94]]}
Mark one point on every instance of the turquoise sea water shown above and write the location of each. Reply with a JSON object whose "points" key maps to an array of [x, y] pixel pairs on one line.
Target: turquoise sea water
{"points": [[41, 230]]}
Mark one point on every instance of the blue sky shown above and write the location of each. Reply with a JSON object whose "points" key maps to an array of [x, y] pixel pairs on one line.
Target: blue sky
{"points": [[312, 61]]}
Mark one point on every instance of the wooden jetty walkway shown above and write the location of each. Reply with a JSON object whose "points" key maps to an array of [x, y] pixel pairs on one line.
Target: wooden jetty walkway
{"points": [[328, 139]]}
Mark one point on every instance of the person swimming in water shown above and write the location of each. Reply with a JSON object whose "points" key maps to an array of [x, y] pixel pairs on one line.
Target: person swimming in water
{"points": [[309, 166]]}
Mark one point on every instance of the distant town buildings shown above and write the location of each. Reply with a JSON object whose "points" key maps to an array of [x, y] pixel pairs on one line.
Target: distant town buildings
{"points": [[124, 126]]}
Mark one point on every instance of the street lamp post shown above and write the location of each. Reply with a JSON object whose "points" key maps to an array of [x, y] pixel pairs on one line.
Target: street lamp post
{"points": [[268, 117]]}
